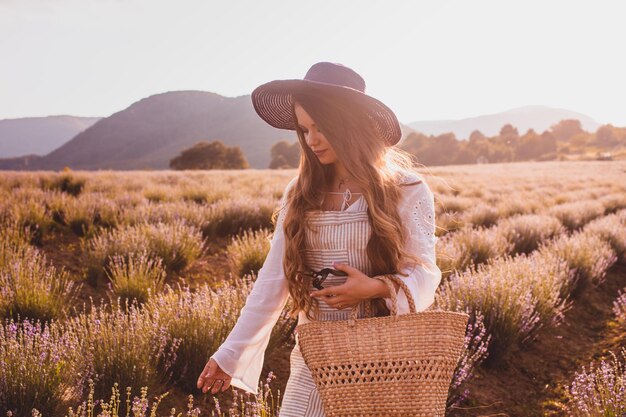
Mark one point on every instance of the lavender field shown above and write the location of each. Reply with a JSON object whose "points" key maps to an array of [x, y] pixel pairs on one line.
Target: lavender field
{"points": [[111, 280]]}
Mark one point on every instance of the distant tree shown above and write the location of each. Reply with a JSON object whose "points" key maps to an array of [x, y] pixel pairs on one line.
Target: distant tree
{"points": [[210, 155], [235, 159], [414, 143], [439, 150], [528, 146], [508, 130], [566, 129], [548, 143], [606, 136], [581, 140], [476, 135], [279, 162], [533, 146], [466, 154], [285, 155]]}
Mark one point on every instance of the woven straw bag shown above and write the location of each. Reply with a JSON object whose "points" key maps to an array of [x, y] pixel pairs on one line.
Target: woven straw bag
{"points": [[398, 365]]}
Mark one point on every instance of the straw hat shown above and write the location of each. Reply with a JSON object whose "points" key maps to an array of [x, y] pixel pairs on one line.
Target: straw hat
{"points": [[273, 100]]}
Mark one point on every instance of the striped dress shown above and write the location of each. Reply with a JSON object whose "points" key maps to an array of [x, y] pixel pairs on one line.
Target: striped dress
{"points": [[335, 236], [342, 236]]}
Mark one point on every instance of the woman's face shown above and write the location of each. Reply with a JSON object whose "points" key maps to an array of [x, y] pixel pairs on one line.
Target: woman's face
{"points": [[314, 138]]}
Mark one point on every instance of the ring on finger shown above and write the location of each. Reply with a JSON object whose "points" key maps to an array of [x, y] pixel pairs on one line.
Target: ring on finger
{"points": [[213, 386]]}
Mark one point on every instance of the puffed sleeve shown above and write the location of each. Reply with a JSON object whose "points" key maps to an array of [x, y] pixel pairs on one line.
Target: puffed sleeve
{"points": [[242, 354], [417, 212]]}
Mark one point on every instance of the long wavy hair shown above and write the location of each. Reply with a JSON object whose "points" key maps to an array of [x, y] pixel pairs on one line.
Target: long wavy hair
{"points": [[375, 167]]}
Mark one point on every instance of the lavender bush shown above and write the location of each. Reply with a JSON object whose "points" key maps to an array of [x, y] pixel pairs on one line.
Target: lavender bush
{"points": [[527, 231], [448, 223], [30, 287], [481, 215], [177, 244], [473, 353], [202, 320], [121, 343], [66, 182], [167, 212], [585, 252], [470, 247], [613, 202], [575, 215], [454, 204], [517, 296], [516, 206], [619, 308], [612, 230], [262, 404], [247, 252], [83, 215], [232, 216], [601, 390], [32, 215], [38, 367], [139, 406], [135, 276]]}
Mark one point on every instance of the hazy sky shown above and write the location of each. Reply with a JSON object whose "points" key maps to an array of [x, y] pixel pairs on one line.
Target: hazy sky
{"points": [[439, 59]]}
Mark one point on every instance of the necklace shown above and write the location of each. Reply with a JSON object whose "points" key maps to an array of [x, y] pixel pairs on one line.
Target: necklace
{"points": [[347, 194]]}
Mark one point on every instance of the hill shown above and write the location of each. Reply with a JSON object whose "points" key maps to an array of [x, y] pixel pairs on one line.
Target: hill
{"points": [[39, 135], [539, 118], [150, 132], [155, 129]]}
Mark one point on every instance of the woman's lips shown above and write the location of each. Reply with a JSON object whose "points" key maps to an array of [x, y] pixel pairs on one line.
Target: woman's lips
{"points": [[318, 153]]}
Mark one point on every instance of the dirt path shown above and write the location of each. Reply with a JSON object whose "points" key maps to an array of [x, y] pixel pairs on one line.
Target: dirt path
{"points": [[532, 381]]}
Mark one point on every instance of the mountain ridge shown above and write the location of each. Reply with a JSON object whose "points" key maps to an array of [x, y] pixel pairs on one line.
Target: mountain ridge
{"points": [[535, 117], [154, 129], [39, 135]]}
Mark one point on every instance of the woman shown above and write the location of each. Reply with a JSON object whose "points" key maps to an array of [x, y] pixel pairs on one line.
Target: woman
{"points": [[365, 211]]}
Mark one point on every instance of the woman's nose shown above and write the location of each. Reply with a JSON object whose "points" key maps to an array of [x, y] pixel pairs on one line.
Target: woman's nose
{"points": [[312, 139]]}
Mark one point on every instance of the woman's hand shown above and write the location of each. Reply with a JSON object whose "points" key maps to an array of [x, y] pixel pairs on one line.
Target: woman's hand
{"points": [[211, 375], [358, 287]]}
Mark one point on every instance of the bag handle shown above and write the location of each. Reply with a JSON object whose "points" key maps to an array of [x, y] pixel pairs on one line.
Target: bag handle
{"points": [[389, 279]]}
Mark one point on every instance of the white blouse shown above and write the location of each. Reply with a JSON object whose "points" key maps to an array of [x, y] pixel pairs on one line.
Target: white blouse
{"points": [[242, 354]]}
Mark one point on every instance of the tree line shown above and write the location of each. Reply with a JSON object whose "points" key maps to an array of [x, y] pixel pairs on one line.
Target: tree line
{"points": [[564, 137]]}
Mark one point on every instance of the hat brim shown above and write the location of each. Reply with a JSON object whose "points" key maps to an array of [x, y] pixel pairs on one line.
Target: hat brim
{"points": [[273, 102]]}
